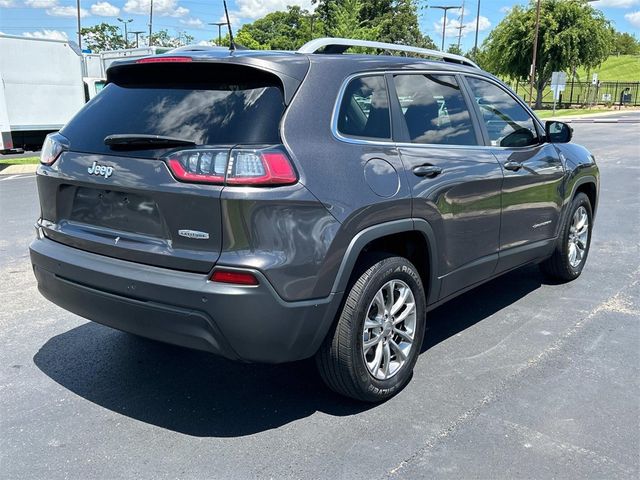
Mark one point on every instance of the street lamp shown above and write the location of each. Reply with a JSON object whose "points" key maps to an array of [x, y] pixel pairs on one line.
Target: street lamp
{"points": [[219, 24], [126, 36], [444, 23], [78, 13], [136, 33]]}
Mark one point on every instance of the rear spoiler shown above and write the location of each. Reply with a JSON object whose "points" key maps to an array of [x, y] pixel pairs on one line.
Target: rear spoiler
{"points": [[290, 70]]}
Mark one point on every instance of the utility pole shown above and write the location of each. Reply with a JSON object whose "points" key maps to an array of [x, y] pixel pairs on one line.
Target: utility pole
{"points": [[461, 27], [219, 24], [150, 22], [126, 35], [535, 54], [78, 13], [444, 23], [136, 33], [475, 44]]}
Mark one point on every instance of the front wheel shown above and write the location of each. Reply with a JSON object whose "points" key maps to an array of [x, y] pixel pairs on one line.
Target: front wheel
{"points": [[572, 250], [372, 351]]}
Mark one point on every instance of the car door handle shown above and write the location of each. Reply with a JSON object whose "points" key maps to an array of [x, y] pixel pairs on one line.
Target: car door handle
{"points": [[513, 166], [429, 171]]}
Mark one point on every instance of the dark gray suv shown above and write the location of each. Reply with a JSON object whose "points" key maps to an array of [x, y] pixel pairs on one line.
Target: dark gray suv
{"points": [[274, 206]]}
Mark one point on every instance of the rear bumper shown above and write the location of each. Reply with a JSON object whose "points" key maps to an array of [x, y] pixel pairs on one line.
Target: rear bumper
{"points": [[236, 322]]}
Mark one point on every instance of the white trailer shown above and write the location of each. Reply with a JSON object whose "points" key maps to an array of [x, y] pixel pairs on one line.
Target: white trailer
{"points": [[41, 88]]}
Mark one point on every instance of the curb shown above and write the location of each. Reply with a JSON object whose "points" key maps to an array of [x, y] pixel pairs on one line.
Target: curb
{"points": [[18, 169]]}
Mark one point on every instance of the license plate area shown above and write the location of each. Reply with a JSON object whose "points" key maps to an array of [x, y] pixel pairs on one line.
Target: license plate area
{"points": [[116, 210]]}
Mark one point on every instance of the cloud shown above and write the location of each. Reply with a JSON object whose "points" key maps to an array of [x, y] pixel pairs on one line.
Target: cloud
{"points": [[633, 18], [253, 9], [164, 8], [66, 11], [7, 3], [453, 26], [104, 9], [50, 34], [192, 22], [206, 43], [615, 3], [41, 3], [506, 9]]}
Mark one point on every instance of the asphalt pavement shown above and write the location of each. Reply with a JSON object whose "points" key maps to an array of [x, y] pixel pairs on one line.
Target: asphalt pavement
{"points": [[519, 378]]}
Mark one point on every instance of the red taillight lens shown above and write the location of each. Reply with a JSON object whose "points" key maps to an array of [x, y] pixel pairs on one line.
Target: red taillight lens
{"points": [[54, 145], [165, 60], [202, 165], [234, 276], [260, 167], [239, 166]]}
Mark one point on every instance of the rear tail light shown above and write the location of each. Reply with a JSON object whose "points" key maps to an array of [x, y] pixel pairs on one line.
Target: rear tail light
{"points": [[238, 166], [260, 167], [54, 145], [202, 165], [234, 276]]}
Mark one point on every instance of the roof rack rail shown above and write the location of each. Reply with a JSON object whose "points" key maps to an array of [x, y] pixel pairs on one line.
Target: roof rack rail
{"points": [[340, 45]]}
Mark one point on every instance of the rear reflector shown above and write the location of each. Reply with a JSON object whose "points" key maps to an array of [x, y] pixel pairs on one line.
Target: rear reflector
{"points": [[165, 60], [234, 277]]}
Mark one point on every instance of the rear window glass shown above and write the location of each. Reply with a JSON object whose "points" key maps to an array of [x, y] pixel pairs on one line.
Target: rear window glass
{"points": [[211, 109], [364, 111]]}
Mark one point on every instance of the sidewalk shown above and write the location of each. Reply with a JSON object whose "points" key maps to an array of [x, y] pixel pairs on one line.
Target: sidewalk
{"points": [[595, 116], [18, 169]]}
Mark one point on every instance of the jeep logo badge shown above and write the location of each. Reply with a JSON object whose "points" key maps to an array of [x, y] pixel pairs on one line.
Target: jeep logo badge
{"points": [[101, 170]]}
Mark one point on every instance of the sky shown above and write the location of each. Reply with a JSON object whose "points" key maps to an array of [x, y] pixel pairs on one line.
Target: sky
{"points": [[57, 18]]}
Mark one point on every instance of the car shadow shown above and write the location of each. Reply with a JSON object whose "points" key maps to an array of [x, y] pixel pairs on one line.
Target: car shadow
{"points": [[202, 395]]}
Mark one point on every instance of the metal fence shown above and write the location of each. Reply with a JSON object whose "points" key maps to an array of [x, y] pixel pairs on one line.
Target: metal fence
{"points": [[586, 93]]}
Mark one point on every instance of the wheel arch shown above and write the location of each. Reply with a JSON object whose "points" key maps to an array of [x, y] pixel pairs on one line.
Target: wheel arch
{"points": [[380, 238]]}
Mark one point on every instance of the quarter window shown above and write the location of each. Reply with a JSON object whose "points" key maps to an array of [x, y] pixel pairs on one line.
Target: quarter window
{"points": [[507, 122], [364, 111], [435, 110]]}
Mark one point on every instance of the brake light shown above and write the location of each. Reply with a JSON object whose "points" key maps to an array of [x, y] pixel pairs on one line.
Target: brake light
{"points": [[238, 166], [165, 60], [54, 145], [234, 276], [202, 165], [260, 167]]}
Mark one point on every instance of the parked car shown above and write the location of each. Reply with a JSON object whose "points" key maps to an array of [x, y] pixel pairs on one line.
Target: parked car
{"points": [[276, 206]]}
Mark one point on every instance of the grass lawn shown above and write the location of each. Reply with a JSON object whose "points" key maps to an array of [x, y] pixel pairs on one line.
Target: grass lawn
{"points": [[567, 112], [623, 68], [19, 161]]}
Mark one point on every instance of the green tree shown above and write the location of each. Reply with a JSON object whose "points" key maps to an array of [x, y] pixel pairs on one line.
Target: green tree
{"points": [[102, 37], [571, 34], [286, 30], [393, 21], [455, 49], [626, 44]]}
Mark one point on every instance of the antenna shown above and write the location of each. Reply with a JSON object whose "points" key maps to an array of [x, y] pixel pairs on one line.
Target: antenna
{"points": [[232, 44]]}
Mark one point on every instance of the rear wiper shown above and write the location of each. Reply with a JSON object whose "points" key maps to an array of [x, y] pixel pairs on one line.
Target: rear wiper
{"points": [[135, 141]]}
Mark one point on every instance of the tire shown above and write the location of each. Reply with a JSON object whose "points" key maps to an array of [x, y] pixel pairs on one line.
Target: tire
{"points": [[562, 265], [343, 363]]}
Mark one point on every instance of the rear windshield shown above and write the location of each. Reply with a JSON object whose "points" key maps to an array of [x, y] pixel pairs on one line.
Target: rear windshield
{"points": [[205, 104]]}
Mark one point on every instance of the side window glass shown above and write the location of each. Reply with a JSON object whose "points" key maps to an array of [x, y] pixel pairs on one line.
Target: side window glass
{"points": [[435, 110], [508, 123], [364, 111]]}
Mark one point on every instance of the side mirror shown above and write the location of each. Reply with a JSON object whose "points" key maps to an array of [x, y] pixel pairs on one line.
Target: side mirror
{"points": [[558, 132]]}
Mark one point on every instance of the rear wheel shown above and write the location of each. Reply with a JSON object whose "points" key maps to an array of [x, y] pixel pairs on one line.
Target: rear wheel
{"points": [[572, 250], [372, 351]]}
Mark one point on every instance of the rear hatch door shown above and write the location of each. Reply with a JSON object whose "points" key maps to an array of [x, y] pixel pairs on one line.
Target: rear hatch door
{"points": [[123, 200]]}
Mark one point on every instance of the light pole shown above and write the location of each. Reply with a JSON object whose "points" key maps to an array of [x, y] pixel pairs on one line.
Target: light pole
{"points": [[136, 33], [150, 22], [535, 53], [475, 44], [78, 13], [444, 23], [126, 36], [219, 24]]}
